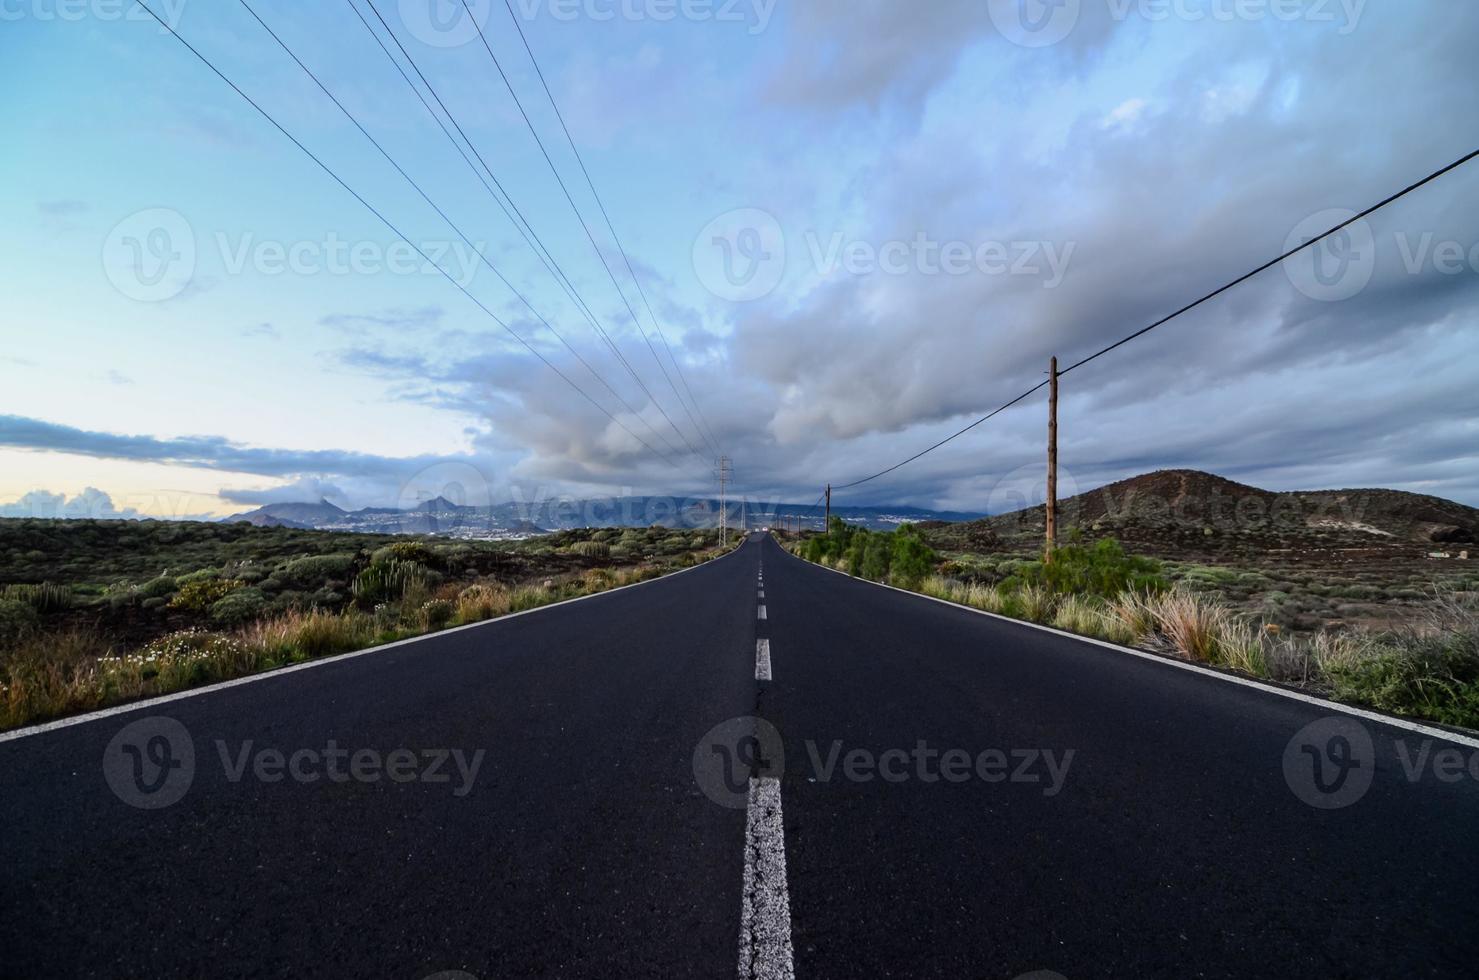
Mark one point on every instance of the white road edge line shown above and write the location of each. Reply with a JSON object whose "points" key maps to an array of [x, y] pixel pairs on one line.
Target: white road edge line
{"points": [[762, 660], [761, 613], [121, 709], [765, 907], [1334, 706]]}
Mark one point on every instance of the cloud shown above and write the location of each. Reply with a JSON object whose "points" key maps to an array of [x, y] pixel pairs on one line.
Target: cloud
{"points": [[61, 208], [400, 319], [91, 503], [304, 490]]}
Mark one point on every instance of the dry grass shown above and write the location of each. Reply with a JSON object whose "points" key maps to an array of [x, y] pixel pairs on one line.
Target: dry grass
{"points": [[47, 675]]}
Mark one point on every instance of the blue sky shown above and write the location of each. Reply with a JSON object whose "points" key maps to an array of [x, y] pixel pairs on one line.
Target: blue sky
{"points": [[837, 152]]}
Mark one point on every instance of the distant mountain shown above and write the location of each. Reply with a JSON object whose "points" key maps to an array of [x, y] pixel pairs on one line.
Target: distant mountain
{"points": [[1189, 511], [516, 520], [299, 515]]}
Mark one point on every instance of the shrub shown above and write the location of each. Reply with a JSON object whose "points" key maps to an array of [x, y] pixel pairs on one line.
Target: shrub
{"points": [[200, 574], [479, 602], [911, 559], [305, 635], [590, 549], [390, 581], [310, 573], [1102, 570], [413, 551], [436, 614], [201, 594], [44, 598], [876, 557], [17, 618], [241, 605], [162, 586]]}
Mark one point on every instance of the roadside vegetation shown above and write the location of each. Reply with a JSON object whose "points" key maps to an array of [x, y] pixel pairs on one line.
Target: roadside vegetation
{"points": [[202, 606], [1426, 668]]}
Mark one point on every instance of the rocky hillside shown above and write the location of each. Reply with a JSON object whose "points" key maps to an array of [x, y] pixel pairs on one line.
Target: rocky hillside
{"points": [[1185, 513]]}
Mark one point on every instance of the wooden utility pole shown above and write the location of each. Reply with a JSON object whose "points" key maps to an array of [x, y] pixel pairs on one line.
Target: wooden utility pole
{"points": [[827, 524], [1052, 501]]}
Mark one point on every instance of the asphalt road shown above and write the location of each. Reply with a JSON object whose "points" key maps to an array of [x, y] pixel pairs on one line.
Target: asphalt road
{"points": [[1139, 819]]}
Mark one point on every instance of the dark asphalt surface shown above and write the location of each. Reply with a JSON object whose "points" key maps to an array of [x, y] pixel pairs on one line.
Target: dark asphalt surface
{"points": [[1174, 846]]}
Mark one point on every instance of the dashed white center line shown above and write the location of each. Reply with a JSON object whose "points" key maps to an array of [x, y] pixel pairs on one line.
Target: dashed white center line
{"points": [[762, 593], [762, 660], [765, 911], [761, 614]]}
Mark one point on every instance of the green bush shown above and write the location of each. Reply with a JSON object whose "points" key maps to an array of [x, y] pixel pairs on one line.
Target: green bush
{"points": [[389, 581], [44, 598], [412, 551], [310, 573], [201, 594], [17, 618], [241, 605], [437, 613], [199, 575], [160, 587], [1102, 570], [911, 559], [1427, 680], [876, 557], [590, 549]]}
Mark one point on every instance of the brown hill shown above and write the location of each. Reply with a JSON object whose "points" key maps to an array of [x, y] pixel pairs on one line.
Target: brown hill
{"points": [[1188, 513]]}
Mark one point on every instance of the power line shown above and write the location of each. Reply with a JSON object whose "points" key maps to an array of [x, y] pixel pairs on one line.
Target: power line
{"points": [[389, 224], [702, 424], [579, 217], [536, 243], [1185, 309], [453, 225]]}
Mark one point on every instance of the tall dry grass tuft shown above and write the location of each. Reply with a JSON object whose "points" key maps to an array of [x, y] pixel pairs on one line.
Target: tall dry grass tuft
{"points": [[1194, 625], [479, 602], [1037, 603]]}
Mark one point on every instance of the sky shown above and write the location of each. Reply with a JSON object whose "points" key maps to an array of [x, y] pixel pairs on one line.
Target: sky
{"points": [[858, 225]]}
